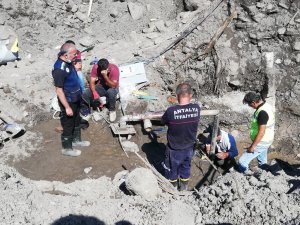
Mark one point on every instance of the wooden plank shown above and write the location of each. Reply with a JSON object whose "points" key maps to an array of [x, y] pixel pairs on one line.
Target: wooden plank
{"points": [[199, 18], [128, 129], [214, 39]]}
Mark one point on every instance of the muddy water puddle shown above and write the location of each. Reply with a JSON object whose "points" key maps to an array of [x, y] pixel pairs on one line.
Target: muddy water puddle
{"points": [[105, 156]]}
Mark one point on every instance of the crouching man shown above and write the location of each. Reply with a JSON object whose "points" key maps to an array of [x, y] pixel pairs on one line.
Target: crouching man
{"points": [[182, 121], [225, 150], [104, 82], [68, 91]]}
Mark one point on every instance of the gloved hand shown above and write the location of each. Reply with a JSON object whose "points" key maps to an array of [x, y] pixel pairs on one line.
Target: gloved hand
{"points": [[96, 96]]}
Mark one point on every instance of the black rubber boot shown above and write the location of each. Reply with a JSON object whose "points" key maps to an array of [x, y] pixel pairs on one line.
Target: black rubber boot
{"points": [[174, 183], [68, 150], [77, 138], [183, 184]]}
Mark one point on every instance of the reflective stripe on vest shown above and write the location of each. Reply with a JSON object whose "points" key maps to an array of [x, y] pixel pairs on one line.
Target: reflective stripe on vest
{"points": [[269, 132]]}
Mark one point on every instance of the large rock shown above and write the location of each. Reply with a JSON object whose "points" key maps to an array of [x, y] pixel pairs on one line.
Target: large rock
{"points": [[86, 41], [296, 46], [142, 182], [192, 5], [136, 11], [82, 17]]}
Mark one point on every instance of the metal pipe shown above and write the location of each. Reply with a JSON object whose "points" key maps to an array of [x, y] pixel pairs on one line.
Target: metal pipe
{"points": [[209, 112], [158, 115], [139, 117], [147, 125], [214, 136], [147, 117]]}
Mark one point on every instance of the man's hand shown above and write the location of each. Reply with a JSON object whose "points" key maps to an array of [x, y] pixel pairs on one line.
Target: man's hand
{"points": [[69, 111], [222, 155], [207, 148], [96, 96], [251, 149], [104, 73]]}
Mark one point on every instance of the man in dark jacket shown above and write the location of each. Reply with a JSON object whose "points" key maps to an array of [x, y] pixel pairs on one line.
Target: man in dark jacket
{"points": [[182, 121], [68, 91]]}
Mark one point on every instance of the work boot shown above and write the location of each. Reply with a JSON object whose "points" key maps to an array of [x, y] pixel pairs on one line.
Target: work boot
{"points": [[174, 183], [112, 116], [68, 150], [183, 184], [77, 138]]}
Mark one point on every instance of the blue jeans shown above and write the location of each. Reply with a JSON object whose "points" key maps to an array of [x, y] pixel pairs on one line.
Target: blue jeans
{"points": [[177, 163], [81, 80], [110, 94], [260, 152]]}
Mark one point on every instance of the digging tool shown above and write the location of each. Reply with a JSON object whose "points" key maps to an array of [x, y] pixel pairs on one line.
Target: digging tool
{"points": [[208, 159], [211, 162], [88, 49]]}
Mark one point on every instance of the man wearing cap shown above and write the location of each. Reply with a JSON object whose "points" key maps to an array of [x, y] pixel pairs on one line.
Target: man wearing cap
{"points": [[182, 121], [104, 82], [261, 131], [68, 91]]}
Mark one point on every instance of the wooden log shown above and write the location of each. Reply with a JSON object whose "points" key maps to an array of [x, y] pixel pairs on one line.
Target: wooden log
{"points": [[198, 19], [213, 40], [219, 32]]}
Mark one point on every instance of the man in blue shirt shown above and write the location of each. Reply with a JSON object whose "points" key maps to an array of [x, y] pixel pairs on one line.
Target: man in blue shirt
{"points": [[182, 121], [67, 87], [225, 150]]}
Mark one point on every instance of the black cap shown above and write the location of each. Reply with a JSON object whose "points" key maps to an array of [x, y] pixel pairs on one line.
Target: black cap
{"points": [[209, 129], [251, 97]]}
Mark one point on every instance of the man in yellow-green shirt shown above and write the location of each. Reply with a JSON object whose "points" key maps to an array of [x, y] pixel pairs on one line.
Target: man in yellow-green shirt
{"points": [[261, 131]]}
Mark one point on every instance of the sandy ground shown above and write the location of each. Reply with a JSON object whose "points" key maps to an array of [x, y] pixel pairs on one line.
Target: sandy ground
{"points": [[40, 186]]}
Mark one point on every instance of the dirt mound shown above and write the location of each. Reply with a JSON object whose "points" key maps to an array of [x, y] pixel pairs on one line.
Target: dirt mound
{"points": [[265, 198]]}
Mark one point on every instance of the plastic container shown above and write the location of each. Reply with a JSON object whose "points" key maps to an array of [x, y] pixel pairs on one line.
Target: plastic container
{"points": [[95, 61]]}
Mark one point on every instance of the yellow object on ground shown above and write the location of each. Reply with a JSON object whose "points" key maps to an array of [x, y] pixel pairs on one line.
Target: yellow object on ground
{"points": [[136, 92], [15, 47]]}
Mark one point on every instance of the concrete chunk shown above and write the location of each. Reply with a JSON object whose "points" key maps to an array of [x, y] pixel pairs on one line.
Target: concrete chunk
{"points": [[142, 182], [296, 46], [136, 11]]}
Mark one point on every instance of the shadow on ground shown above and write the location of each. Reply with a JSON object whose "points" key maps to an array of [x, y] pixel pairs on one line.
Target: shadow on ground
{"points": [[84, 220]]}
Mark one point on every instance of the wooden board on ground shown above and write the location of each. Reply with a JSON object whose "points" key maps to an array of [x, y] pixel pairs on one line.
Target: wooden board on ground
{"points": [[128, 129]]}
